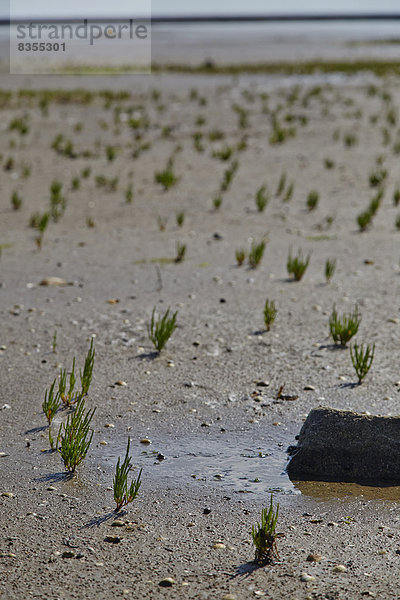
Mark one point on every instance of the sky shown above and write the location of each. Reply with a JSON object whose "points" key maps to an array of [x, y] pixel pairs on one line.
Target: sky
{"points": [[78, 8]]}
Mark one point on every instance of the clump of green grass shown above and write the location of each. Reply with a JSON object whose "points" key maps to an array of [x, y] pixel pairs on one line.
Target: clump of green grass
{"points": [[350, 139], [68, 397], [86, 172], [312, 200], [57, 200], [256, 253], [75, 184], [180, 218], [19, 124], [330, 268], [396, 197], [111, 153], [364, 219], [264, 535], [75, 436], [397, 222], [109, 184], [297, 265], [362, 357], [129, 194], [240, 255], [86, 375], [217, 202], [281, 185], [160, 330], [262, 198], [16, 200], [50, 405], [224, 154], [343, 328], [228, 176], [376, 178], [270, 312], [123, 494], [329, 163], [289, 193], [180, 252], [167, 177]]}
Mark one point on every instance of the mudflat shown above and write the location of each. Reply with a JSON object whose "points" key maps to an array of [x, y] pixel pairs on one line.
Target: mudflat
{"points": [[147, 165]]}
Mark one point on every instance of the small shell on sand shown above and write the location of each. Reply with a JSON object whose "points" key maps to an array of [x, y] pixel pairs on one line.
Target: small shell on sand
{"points": [[53, 281]]}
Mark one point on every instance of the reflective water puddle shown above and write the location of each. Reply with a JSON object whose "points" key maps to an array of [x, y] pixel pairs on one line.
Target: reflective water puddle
{"points": [[237, 465]]}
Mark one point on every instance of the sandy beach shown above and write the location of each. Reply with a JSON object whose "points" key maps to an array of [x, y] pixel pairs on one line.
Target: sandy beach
{"points": [[209, 403]]}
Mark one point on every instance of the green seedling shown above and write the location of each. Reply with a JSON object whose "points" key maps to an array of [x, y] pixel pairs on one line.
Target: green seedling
{"points": [[228, 176], [362, 357], [281, 184], [197, 139], [68, 397], [217, 202], [51, 404], [264, 535], [86, 172], [86, 376], [19, 124], [350, 139], [376, 178], [289, 193], [396, 197], [180, 252], [270, 312], [110, 184], [375, 203], [343, 328], [75, 184], [180, 218], [397, 222], [123, 494], [329, 163], [312, 200], [90, 222], [224, 154], [26, 171], [16, 201], [54, 342], [57, 201], [297, 265], [111, 153], [364, 219], [262, 198], [129, 194], [330, 268], [160, 330], [256, 253], [75, 436], [240, 255], [166, 178]]}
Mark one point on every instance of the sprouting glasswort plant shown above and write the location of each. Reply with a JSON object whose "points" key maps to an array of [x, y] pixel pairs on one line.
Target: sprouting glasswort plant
{"points": [[256, 253], [270, 312], [50, 405], [86, 376], [343, 328], [75, 436], [123, 494], [297, 265], [330, 268], [160, 330], [264, 535], [362, 357]]}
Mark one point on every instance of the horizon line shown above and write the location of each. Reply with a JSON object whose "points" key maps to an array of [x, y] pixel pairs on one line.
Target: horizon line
{"points": [[218, 18]]}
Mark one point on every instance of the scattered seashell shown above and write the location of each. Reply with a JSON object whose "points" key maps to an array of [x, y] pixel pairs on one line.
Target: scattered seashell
{"points": [[120, 382], [53, 281], [339, 569], [7, 495], [117, 523], [306, 577], [167, 582], [315, 558], [219, 546], [309, 388], [113, 301], [145, 441]]}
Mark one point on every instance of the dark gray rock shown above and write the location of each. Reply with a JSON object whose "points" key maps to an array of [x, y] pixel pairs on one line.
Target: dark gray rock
{"points": [[346, 446]]}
